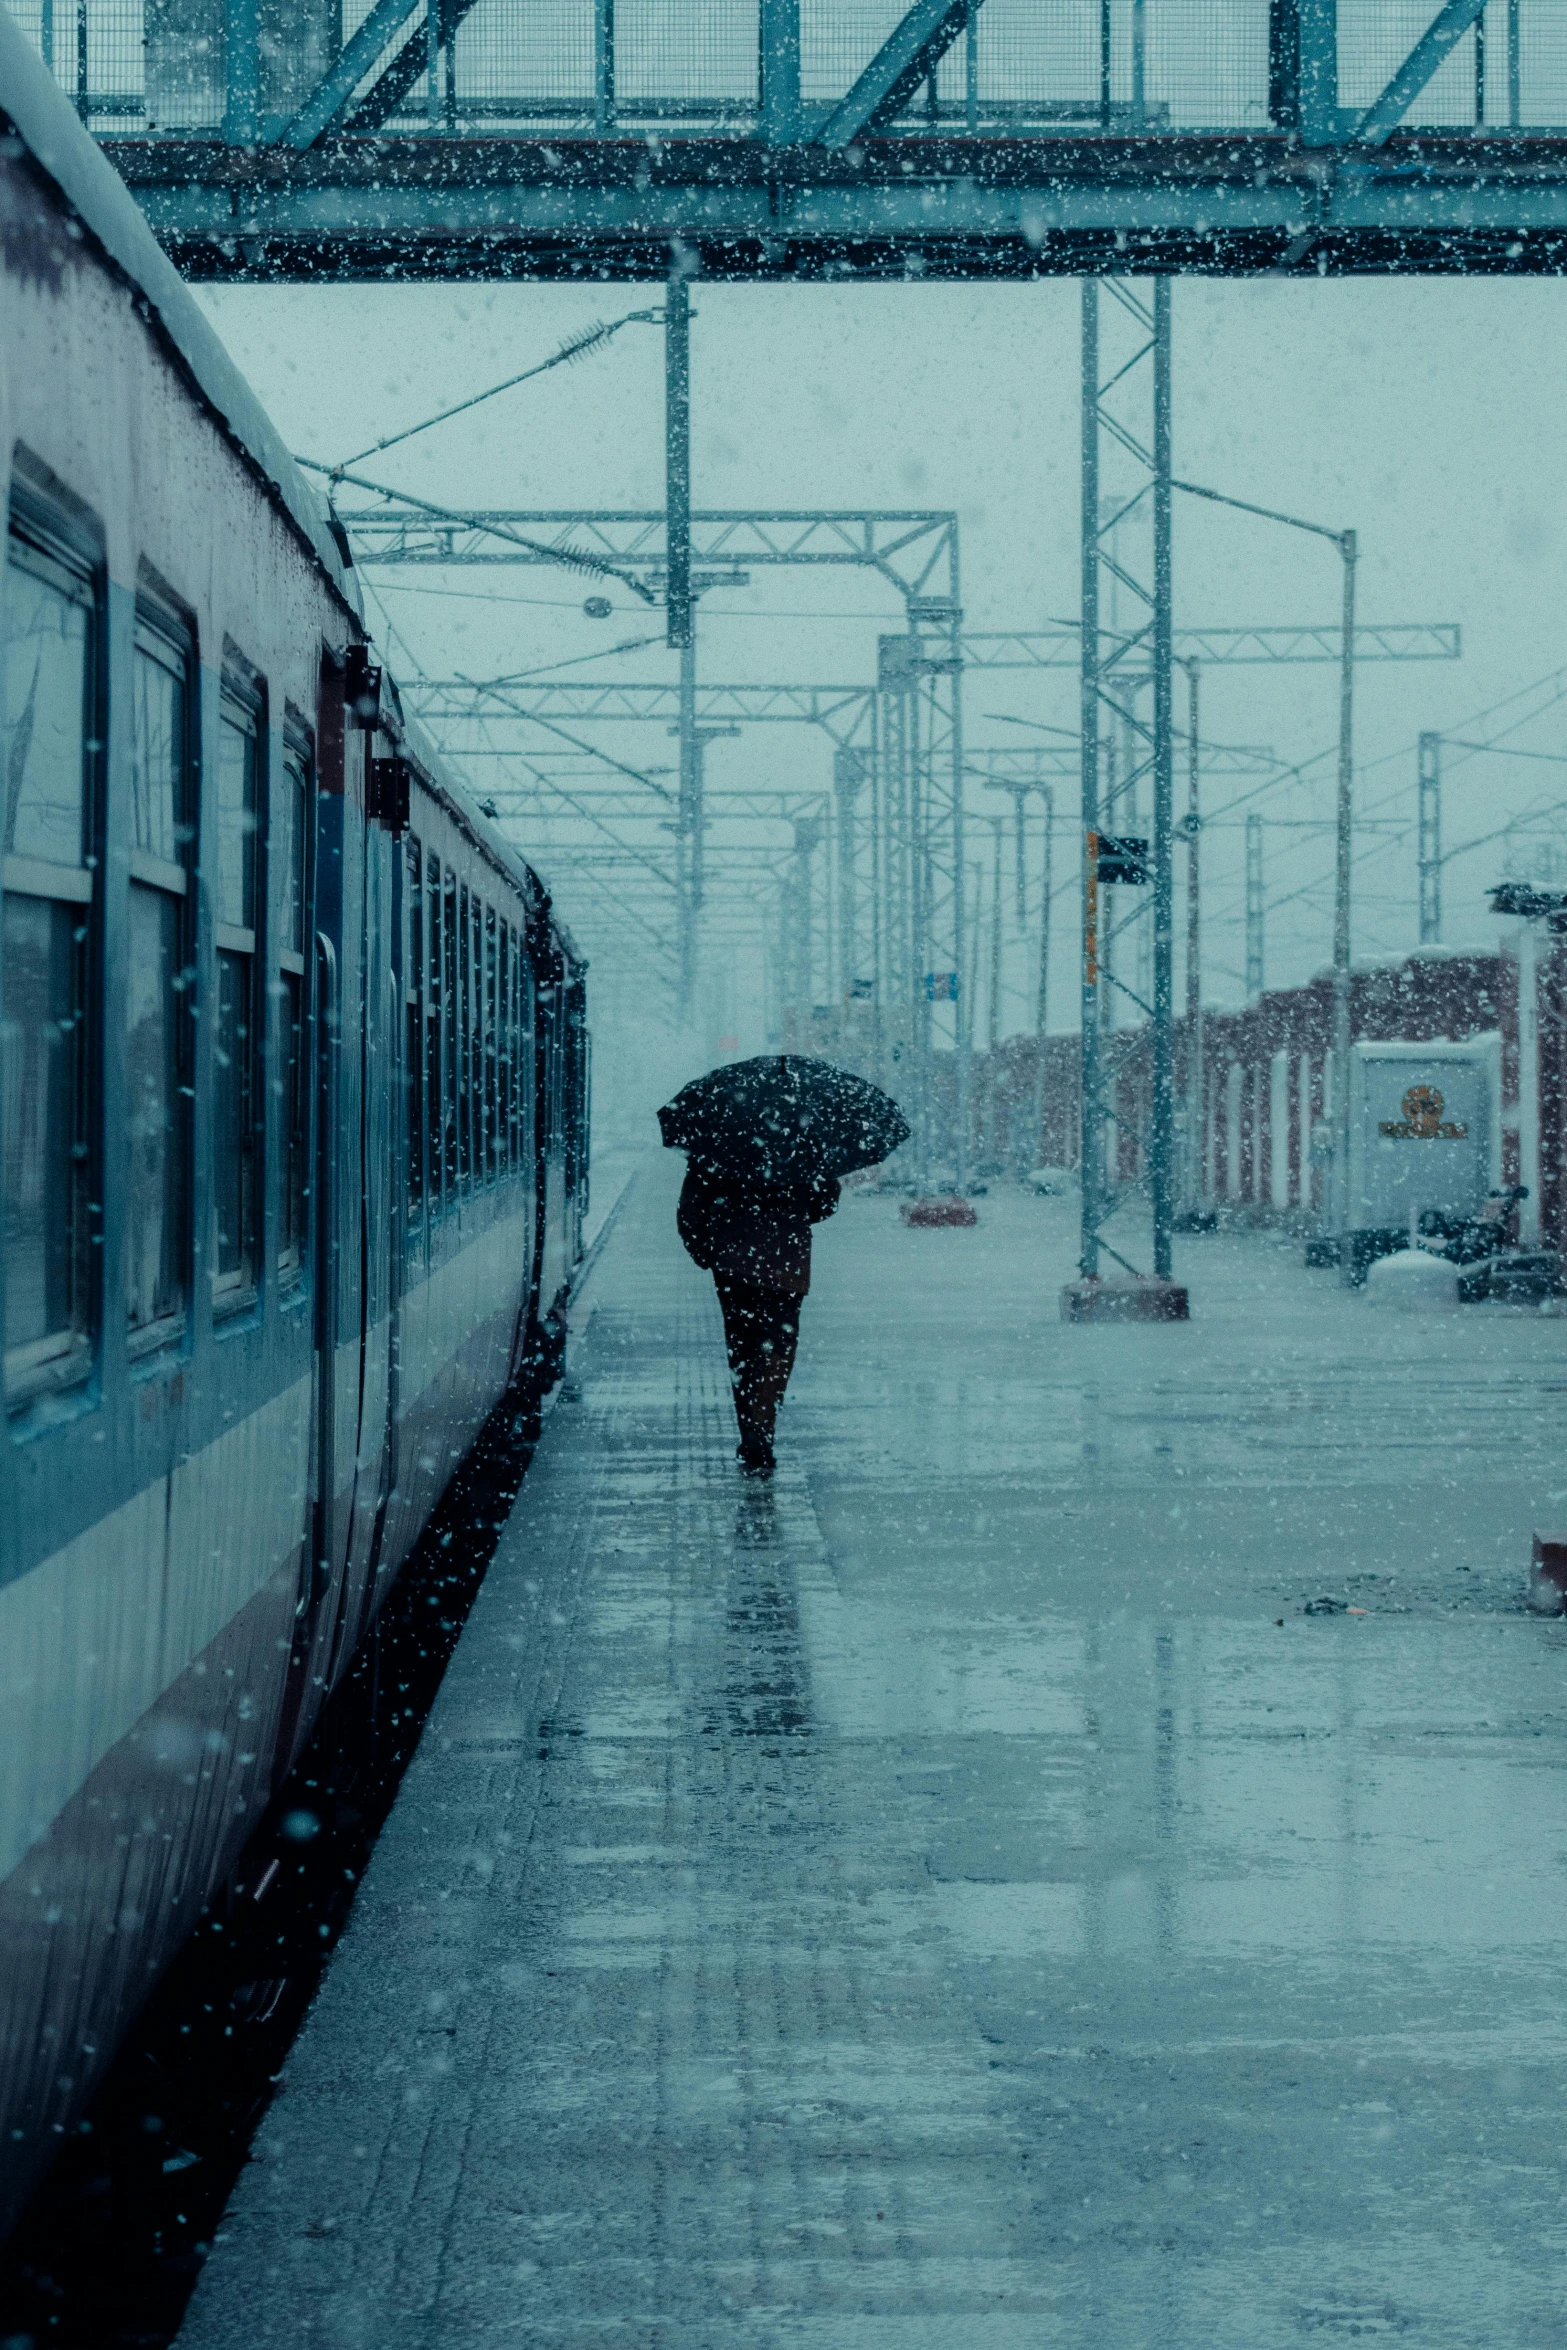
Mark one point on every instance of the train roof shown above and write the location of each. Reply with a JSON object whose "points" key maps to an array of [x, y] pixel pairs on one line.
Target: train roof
{"points": [[45, 121]]}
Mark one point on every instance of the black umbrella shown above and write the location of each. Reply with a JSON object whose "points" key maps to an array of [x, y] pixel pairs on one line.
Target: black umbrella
{"points": [[783, 1119]]}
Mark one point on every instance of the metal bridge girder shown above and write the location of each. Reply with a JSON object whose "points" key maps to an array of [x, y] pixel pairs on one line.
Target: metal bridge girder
{"points": [[524, 205]]}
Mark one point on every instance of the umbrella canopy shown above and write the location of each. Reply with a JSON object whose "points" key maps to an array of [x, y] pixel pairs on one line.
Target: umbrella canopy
{"points": [[783, 1118]]}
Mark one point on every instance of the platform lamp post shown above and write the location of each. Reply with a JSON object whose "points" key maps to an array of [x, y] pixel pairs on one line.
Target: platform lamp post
{"points": [[1348, 545]]}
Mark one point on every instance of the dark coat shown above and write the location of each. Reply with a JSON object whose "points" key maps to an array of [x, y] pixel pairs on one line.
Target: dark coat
{"points": [[758, 1234]]}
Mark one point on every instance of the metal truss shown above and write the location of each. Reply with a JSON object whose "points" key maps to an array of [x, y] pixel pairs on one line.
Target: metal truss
{"points": [[779, 140], [807, 942], [1065, 764], [844, 712], [884, 925], [1057, 648], [915, 551], [869, 934], [759, 805], [677, 552]]}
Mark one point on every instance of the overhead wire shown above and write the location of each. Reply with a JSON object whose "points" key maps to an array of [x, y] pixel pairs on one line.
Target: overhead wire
{"points": [[569, 558], [710, 612], [576, 742], [575, 347]]}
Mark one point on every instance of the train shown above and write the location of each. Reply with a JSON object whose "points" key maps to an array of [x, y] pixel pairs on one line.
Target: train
{"points": [[294, 1063]]}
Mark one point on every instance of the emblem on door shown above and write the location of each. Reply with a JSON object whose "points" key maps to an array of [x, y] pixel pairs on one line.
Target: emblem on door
{"points": [[1422, 1120]]}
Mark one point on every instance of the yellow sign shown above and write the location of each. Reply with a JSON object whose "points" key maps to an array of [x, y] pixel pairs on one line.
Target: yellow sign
{"points": [[1422, 1120]]}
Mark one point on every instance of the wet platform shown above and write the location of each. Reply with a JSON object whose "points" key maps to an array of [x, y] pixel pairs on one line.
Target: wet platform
{"points": [[957, 1898]]}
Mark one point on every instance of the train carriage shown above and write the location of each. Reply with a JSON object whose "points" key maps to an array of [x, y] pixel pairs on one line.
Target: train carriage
{"points": [[293, 1086]]}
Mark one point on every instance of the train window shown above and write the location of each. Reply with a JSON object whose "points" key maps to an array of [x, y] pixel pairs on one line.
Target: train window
{"points": [[290, 838], [236, 825], [413, 1068], [506, 1050], [464, 1037], [158, 1003], [476, 1038], [290, 843], [449, 1025], [492, 1156], [48, 748], [520, 1046], [432, 1027], [481, 1046], [476, 1073], [234, 858]]}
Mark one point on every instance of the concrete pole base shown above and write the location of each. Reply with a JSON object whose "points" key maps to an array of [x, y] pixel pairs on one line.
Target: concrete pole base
{"points": [[1548, 1575], [1143, 1300]]}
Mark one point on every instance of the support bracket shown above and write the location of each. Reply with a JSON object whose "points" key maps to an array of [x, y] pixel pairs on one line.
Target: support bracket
{"points": [[1446, 29], [328, 101], [909, 55], [385, 96]]}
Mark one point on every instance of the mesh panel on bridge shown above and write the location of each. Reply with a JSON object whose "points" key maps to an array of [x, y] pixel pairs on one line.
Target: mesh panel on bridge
{"points": [[139, 64]]}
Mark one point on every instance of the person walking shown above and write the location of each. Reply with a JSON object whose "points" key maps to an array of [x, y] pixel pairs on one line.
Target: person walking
{"points": [[755, 1240], [766, 1141]]}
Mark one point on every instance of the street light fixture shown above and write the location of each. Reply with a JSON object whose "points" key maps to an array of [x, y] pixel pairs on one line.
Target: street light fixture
{"points": [[1347, 544]]}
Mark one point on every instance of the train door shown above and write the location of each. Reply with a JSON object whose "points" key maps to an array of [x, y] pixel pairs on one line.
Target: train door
{"points": [[344, 912], [578, 1083], [550, 1142], [378, 1053], [336, 1194], [330, 1428], [524, 1154]]}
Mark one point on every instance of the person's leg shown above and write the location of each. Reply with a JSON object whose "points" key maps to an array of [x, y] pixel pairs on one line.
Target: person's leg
{"points": [[778, 1335], [761, 1331], [737, 1302]]}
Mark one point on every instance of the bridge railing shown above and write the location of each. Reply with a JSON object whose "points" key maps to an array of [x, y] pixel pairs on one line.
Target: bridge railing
{"points": [[674, 67]]}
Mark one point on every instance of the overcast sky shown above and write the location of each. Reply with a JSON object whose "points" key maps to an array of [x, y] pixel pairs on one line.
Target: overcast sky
{"points": [[1425, 413]]}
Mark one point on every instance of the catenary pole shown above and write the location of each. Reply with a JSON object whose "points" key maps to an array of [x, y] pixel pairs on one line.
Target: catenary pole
{"points": [[1162, 1136], [1194, 1020], [1092, 1143], [1042, 1000], [993, 1024], [1349, 551], [679, 615], [1428, 835], [677, 456], [962, 1011]]}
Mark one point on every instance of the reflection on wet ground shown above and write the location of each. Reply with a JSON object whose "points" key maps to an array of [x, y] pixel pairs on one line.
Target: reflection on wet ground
{"points": [[972, 1891]]}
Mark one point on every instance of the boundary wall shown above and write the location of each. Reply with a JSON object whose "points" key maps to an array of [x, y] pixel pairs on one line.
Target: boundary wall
{"points": [[1267, 1077]]}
